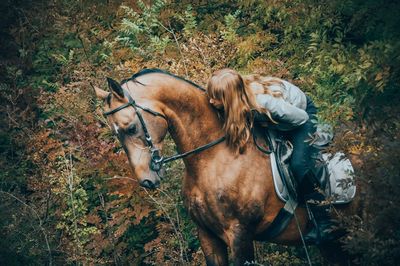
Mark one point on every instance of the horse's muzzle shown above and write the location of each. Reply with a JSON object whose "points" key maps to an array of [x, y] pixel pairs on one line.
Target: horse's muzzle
{"points": [[146, 183]]}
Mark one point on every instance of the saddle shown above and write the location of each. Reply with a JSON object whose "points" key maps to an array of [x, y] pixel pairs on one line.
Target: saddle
{"points": [[334, 172]]}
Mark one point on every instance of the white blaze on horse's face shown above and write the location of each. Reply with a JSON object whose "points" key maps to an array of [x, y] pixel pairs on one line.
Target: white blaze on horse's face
{"points": [[116, 128]]}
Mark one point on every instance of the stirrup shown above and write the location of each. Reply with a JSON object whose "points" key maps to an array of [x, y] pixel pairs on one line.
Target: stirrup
{"points": [[323, 231]]}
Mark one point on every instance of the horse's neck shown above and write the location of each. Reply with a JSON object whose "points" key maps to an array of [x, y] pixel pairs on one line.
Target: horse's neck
{"points": [[192, 120]]}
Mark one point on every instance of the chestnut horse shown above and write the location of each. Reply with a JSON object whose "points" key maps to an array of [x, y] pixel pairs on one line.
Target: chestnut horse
{"points": [[231, 198]]}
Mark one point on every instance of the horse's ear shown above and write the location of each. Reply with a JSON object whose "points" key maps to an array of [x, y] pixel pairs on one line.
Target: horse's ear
{"points": [[115, 88], [101, 94]]}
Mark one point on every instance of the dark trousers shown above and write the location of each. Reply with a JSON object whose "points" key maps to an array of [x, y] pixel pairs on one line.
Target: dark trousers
{"points": [[303, 158]]}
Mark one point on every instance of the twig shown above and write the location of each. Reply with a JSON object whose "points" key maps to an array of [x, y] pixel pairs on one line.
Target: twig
{"points": [[70, 180], [109, 234], [175, 204], [202, 55], [179, 47], [122, 177], [173, 226], [40, 222], [47, 204], [87, 58], [27, 20]]}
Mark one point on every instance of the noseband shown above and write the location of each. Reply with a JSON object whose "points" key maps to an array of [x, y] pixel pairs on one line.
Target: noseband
{"points": [[156, 161]]}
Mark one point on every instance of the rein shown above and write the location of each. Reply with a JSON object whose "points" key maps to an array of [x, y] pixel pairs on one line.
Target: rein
{"points": [[157, 161]]}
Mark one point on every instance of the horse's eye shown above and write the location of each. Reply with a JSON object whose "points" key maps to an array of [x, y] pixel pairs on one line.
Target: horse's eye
{"points": [[131, 130]]}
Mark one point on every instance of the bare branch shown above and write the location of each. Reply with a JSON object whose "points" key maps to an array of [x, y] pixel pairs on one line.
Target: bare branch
{"points": [[38, 217]]}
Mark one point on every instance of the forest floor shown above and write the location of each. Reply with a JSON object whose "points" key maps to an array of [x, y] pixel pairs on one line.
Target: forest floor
{"points": [[66, 195]]}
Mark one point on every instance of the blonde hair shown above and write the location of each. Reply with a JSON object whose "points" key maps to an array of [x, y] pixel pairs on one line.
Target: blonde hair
{"points": [[265, 82], [238, 102]]}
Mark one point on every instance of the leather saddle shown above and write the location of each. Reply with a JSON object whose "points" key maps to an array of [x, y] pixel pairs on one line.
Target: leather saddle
{"points": [[334, 173], [285, 184]]}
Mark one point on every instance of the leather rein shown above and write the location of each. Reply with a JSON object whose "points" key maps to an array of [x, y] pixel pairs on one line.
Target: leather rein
{"points": [[157, 160]]}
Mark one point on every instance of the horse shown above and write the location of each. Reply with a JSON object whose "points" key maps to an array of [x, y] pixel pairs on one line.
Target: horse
{"points": [[230, 197]]}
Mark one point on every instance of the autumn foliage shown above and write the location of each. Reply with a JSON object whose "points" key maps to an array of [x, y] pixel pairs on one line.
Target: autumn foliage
{"points": [[67, 195]]}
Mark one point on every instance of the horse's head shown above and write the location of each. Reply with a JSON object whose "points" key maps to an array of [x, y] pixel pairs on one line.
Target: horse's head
{"points": [[140, 127]]}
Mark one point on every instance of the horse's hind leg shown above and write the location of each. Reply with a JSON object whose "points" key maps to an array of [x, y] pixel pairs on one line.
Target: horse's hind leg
{"points": [[214, 249]]}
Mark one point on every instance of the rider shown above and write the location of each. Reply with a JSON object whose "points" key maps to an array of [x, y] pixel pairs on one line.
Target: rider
{"points": [[291, 112]]}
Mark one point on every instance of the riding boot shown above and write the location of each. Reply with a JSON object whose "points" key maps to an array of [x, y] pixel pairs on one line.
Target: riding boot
{"points": [[325, 229]]}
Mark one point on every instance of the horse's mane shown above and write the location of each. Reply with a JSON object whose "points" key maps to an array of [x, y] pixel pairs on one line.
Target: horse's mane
{"points": [[156, 70]]}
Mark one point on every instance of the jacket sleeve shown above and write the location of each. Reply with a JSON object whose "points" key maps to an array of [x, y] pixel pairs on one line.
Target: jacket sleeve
{"points": [[287, 115]]}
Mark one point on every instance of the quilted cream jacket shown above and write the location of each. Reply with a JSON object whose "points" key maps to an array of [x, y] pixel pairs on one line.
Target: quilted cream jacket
{"points": [[288, 110]]}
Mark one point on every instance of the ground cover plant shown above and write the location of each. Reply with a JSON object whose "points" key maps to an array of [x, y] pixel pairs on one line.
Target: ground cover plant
{"points": [[66, 193]]}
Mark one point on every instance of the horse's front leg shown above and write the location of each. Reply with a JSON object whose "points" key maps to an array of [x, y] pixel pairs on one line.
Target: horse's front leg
{"points": [[214, 249], [241, 245]]}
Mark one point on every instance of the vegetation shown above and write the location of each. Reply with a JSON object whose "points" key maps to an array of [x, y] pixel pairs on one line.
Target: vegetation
{"points": [[66, 193]]}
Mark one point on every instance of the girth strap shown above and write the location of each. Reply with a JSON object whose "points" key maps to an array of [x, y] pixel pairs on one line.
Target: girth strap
{"points": [[280, 222]]}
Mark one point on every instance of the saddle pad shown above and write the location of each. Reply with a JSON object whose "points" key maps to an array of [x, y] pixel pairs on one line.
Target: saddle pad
{"points": [[280, 189], [341, 187]]}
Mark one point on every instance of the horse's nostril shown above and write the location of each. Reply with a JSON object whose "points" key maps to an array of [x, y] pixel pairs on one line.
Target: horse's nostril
{"points": [[149, 184]]}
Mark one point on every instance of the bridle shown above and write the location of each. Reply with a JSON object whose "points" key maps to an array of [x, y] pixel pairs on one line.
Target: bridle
{"points": [[156, 160]]}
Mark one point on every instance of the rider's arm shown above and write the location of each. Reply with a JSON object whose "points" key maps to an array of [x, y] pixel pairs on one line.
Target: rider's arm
{"points": [[286, 114]]}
